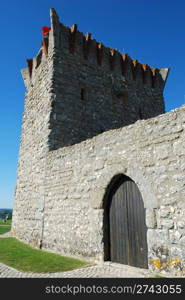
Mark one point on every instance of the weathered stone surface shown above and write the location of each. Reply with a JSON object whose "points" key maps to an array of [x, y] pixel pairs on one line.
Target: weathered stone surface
{"points": [[66, 165], [157, 238], [151, 221], [167, 224], [164, 212]]}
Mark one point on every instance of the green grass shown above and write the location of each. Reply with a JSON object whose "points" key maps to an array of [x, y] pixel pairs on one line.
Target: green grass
{"points": [[8, 222], [159, 276], [4, 229], [25, 258]]}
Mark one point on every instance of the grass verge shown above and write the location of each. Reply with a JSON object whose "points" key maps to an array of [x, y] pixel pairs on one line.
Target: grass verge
{"points": [[4, 229], [28, 259], [8, 222]]}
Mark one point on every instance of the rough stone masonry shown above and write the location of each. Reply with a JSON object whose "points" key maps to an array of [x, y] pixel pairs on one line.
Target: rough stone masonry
{"points": [[92, 113]]}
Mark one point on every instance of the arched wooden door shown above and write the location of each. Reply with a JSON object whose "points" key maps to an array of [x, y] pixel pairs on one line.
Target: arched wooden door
{"points": [[126, 229]]}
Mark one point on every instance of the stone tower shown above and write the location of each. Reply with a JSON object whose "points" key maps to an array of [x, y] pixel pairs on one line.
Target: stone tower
{"points": [[91, 88], [80, 129]]}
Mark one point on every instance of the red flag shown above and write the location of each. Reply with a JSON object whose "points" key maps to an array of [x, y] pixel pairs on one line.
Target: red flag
{"points": [[45, 30]]}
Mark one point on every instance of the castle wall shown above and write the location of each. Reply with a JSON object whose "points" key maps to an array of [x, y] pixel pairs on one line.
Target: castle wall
{"points": [[77, 88], [97, 88], [29, 193], [152, 153]]}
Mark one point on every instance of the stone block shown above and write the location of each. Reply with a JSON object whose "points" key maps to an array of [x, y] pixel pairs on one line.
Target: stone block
{"points": [[151, 221], [179, 148], [164, 212], [182, 241], [162, 151], [157, 237], [96, 200], [166, 223], [98, 164], [181, 224]]}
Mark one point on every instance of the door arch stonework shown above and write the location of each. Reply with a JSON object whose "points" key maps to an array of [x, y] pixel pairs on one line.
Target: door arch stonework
{"points": [[125, 232]]}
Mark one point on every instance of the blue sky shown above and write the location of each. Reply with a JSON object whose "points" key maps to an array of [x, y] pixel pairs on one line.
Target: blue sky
{"points": [[152, 31]]}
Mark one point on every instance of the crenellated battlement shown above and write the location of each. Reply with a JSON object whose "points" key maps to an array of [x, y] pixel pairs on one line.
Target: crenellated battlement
{"points": [[82, 138], [116, 61], [94, 52], [33, 64]]}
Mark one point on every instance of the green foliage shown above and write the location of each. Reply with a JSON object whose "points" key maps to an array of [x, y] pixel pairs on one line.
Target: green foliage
{"points": [[6, 213], [25, 258], [10, 216], [4, 229]]}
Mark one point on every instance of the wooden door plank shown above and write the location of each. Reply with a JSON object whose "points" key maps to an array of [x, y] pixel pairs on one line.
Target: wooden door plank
{"points": [[128, 243]]}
